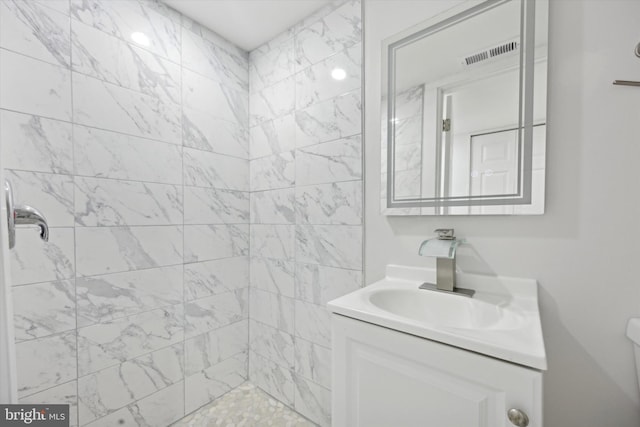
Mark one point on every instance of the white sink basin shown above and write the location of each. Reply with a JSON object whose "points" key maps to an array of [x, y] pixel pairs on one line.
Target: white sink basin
{"points": [[502, 319]]}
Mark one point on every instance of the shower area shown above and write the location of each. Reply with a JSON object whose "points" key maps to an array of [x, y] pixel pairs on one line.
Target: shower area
{"points": [[204, 203]]}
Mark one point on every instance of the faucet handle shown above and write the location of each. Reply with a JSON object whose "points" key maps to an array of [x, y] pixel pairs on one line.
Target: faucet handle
{"points": [[445, 233]]}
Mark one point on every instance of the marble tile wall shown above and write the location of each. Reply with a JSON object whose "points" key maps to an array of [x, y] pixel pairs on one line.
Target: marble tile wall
{"points": [[136, 310], [305, 202]]}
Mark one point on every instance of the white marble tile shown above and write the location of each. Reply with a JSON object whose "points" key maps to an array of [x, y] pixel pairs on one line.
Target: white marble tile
{"points": [[319, 284], [315, 83], [43, 309], [207, 350], [121, 18], [272, 343], [208, 242], [108, 58], [408, 157], [203, 279], [409, 103], [328, 120], [61, 6], [340, 29], [215, 381], [312, 401], [313, 362], [103, 154], [334, 161], [271, 309], [65, 394], [33, 260], [36, 31], [273, 275], [114, 342], [271, 63], [408, 131], [205, 314], [272, 378], [108, 390], [269, 173], [272, 137], [205, 132], [213, 206], [108, 202], [35, 143], [317, 15], [45, 362], [273, 206], [330, 245], [124, 110], [205, 169], [273, 101], [104, 298], [273, 241], [313, 323], [51, 194], [105, 250], [336, 203], [35, 87]]}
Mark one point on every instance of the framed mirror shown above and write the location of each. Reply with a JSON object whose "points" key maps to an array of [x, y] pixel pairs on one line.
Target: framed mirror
{"points": [[464, 112]]}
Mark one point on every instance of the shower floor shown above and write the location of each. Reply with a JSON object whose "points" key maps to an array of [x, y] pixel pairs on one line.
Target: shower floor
{"points": [[244, 406]]}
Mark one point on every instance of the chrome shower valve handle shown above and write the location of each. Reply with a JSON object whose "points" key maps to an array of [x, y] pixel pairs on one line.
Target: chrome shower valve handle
{"points": [[23, 215]]}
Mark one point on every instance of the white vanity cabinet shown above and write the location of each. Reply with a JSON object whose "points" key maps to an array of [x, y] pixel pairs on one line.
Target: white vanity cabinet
{"points": [[387, 378]]}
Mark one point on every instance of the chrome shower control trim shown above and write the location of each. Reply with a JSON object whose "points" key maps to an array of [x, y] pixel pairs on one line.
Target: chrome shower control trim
{"points": [[11, 225], [23, 215]]}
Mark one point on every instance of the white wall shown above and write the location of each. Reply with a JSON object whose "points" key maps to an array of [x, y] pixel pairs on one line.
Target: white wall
{"points": [[583, 250]]}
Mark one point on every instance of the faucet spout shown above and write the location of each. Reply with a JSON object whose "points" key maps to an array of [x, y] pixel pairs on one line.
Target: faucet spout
{"points": [[27, 215]]}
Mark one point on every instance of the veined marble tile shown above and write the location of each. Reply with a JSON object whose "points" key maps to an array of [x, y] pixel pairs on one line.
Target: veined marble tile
{"points": [[112, 296], [272, 309], [219, 62], [273, 206], [330, 245], [36, 31], [205, 169], [45, 362], [313, 323], [273, 101], [205, 314], [113, 249], [51, 194], [340, 29], [315, 84], [274, 43], [337, 203], [108, 390], [319, 284], [318, 14], [408, 131], [408, 183], [103, 154], [269, 173], [203, 279], [329, 120], [271, 63], [213, 206], [409, 103], [208, 242], [61, 6], [35, 87], [312, 401], [313, 362], [334, 161], [114, 342], [34, 260], [207, 350], [113, 60], [272, 343], [159, 409], [272, 137], [215, 381], [124, 110], [121, 18], [35, 143], [273, 241], [202, 131], [107, 202], [272, 378], [408, 157], [66, 394], [214, 98], [43, 309], [273, 275]]}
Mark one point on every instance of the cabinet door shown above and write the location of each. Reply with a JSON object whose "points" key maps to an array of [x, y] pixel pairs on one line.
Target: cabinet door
{"points": [[385, 378]]}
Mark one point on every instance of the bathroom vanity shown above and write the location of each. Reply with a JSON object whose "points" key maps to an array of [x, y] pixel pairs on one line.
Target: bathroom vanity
{"points": [[409, 357]]}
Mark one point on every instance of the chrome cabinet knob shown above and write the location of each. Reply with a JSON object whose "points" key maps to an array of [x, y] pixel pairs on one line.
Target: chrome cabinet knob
{"points": [[518, 418]]}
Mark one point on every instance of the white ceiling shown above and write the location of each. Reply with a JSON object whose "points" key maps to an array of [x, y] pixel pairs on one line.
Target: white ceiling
{"points": [[247, 23]]}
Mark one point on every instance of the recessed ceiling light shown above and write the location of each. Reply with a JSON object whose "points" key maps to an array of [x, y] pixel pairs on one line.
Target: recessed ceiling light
{"points": [[338, 74], [140, 38]]}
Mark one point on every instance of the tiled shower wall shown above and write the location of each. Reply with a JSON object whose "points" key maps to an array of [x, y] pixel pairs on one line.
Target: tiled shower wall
{"points": [[306, 201], [136, 310]]}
